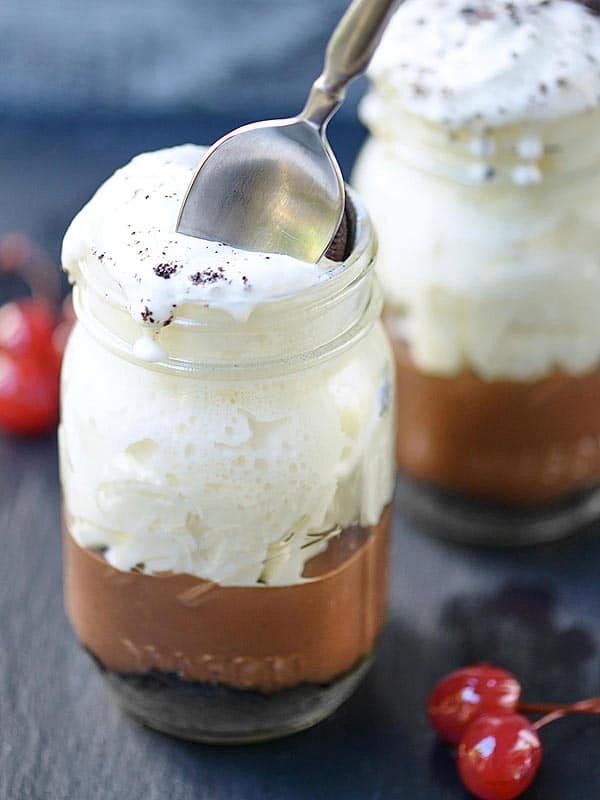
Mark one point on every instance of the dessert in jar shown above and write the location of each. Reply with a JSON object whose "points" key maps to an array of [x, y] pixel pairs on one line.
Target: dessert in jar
{"points": [[482, 174], [227, 464]]}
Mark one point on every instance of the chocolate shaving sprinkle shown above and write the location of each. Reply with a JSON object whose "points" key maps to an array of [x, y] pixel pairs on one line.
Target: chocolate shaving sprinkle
{"points": [[147, 315], [208, 276], [166, 270]]}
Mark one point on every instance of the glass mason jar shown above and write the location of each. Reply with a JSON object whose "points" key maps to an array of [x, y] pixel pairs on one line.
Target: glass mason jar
{"points": [[489, 262], [227, 510]]}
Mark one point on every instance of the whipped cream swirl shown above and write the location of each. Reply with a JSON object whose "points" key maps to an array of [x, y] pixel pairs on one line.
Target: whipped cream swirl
{"points": [[489, 63]]}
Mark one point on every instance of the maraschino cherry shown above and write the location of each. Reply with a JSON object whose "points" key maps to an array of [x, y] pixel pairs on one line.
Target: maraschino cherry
{"points": [[466, 694], [499, 756], [33, 336], [28, 394], [499, 749], [26, 327]]}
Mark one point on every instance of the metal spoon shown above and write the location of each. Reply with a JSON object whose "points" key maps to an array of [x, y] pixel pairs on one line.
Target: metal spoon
{"points": [[276, 186]]}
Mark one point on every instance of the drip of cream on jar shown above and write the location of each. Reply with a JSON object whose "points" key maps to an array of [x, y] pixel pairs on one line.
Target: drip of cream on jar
{"points": [[127, 231], [147, 348]]}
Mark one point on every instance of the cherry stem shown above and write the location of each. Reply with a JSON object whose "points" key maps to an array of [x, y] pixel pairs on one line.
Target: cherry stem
{"points": [[556, 711], [544, 708]]}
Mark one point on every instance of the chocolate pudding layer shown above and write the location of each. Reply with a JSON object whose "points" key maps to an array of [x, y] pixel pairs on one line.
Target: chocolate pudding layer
{"points": [[260, 638], [516, 442]]}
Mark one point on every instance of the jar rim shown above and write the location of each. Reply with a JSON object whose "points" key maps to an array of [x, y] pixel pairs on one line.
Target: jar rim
{"points": [[350, 282], [486, 155]]}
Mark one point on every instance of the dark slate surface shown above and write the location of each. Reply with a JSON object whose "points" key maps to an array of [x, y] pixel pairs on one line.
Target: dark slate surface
{"points": [[536, 611]]}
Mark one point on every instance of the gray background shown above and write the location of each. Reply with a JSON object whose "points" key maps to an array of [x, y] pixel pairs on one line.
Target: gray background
{"points": [[249, 57]]}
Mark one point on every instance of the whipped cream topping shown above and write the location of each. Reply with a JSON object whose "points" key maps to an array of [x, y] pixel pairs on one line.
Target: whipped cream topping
{"points": [[487, 62], [125, 239]]}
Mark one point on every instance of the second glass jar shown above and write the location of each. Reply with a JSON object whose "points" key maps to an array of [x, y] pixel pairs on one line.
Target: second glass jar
{"points": [[488, 259]]}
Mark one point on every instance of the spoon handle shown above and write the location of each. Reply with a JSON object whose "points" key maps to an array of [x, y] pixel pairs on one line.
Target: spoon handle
{"points": [[349, 52]]}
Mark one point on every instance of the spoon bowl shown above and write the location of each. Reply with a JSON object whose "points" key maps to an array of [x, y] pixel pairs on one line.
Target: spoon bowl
{"points": [[286, 191]]}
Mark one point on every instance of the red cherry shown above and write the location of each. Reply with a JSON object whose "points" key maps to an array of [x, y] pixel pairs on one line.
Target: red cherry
{"points": [[499, 756], [28, 394], [465, 694], [26, 327]]}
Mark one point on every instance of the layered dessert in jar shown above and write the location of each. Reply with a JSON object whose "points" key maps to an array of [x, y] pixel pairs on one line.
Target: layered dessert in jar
{"points": [[482, 174], [227, 464]]}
